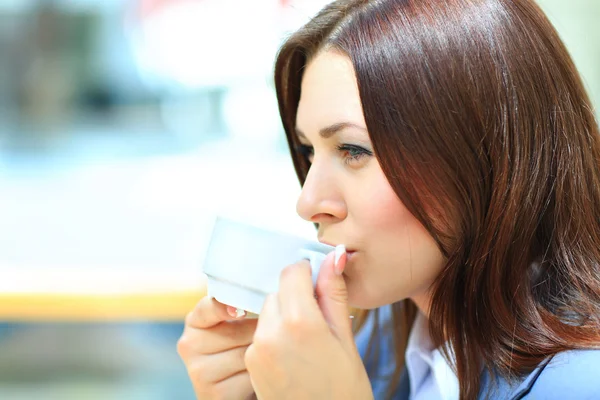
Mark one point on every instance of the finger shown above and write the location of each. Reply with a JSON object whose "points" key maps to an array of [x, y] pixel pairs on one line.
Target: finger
{"points": [[221, 337], [237, 387], [269, 314], [332, 296], [207, 313], [269, 317], [214, 368], [296, 292]]}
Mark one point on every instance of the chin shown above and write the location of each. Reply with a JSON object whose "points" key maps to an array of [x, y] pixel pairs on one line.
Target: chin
{"points": [[367, 298], [361, 300]]}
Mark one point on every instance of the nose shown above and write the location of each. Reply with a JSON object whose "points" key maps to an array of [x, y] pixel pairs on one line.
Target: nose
{"points": [[321, 199]]}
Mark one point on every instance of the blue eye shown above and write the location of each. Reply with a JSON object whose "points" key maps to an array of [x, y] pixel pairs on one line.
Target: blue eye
{"points": [[353, 153], [307, 151], [349, 152]]}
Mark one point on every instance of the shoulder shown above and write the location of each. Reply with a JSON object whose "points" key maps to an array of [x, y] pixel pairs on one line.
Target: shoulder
{"points": [[573, 374], [570, 374]]}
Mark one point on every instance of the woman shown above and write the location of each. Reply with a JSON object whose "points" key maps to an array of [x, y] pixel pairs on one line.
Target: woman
{"points": [[452, 148]]}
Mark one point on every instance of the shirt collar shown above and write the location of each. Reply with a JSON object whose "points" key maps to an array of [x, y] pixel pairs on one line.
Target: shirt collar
{"points": [[422, 359]]}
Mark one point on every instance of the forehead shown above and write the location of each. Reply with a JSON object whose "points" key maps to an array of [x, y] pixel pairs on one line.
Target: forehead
{"points": [[329, 93]]}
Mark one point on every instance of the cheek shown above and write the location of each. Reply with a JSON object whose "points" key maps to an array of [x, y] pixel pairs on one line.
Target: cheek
{"points": [[401, 239], [383, 210], [397, 246]]}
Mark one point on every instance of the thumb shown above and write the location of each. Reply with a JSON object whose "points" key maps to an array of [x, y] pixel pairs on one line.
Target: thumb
{"points": [[332, 294]]}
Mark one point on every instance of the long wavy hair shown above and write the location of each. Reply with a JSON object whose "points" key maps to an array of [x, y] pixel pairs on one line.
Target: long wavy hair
{"points": [[483, 128]]}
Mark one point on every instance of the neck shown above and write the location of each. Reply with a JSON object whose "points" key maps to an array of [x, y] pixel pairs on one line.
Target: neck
{"points": [[423, 302]]}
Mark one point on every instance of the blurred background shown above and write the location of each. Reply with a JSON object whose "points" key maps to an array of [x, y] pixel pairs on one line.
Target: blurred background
{"points": [[125, 127]]}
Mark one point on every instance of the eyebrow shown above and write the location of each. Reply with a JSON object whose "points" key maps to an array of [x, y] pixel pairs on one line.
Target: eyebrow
{"points": [[331, 130]]}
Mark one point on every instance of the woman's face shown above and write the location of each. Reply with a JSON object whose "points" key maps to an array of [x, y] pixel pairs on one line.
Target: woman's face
{"points": [[391, 255]]}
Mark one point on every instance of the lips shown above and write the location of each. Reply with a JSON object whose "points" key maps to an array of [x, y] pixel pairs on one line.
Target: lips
{"points": [[349, 251]]}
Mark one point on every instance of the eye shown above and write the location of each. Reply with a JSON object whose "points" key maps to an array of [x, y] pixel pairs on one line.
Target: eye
{"points": [[353, 153], [306, 151]]}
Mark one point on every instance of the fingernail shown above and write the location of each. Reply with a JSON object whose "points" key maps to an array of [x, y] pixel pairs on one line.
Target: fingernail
{"points": [[339, 251], [235, 312]]}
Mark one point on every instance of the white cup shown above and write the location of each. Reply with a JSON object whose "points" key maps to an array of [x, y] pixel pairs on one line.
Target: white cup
{"points": [[243, 262]]}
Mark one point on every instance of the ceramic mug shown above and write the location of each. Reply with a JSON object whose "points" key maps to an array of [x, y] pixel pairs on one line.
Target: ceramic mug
{"points": [[243, 262]]}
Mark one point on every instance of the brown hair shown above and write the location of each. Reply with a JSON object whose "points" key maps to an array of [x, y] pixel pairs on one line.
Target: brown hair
{"points": [[479, 103]]}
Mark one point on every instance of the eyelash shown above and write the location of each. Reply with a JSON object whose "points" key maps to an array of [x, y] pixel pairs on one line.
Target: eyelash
{"points": [[308, 151]]}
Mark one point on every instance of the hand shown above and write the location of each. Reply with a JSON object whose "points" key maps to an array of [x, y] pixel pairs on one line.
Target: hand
{"points": [[304, 348], [212, 348]]}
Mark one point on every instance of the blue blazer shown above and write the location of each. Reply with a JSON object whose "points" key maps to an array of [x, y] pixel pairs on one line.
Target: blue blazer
{"points": [[568, 375]]}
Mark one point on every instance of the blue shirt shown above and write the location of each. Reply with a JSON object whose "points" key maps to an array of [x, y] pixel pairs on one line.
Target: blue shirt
{"points": [[571, 374], [429, 374]]}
